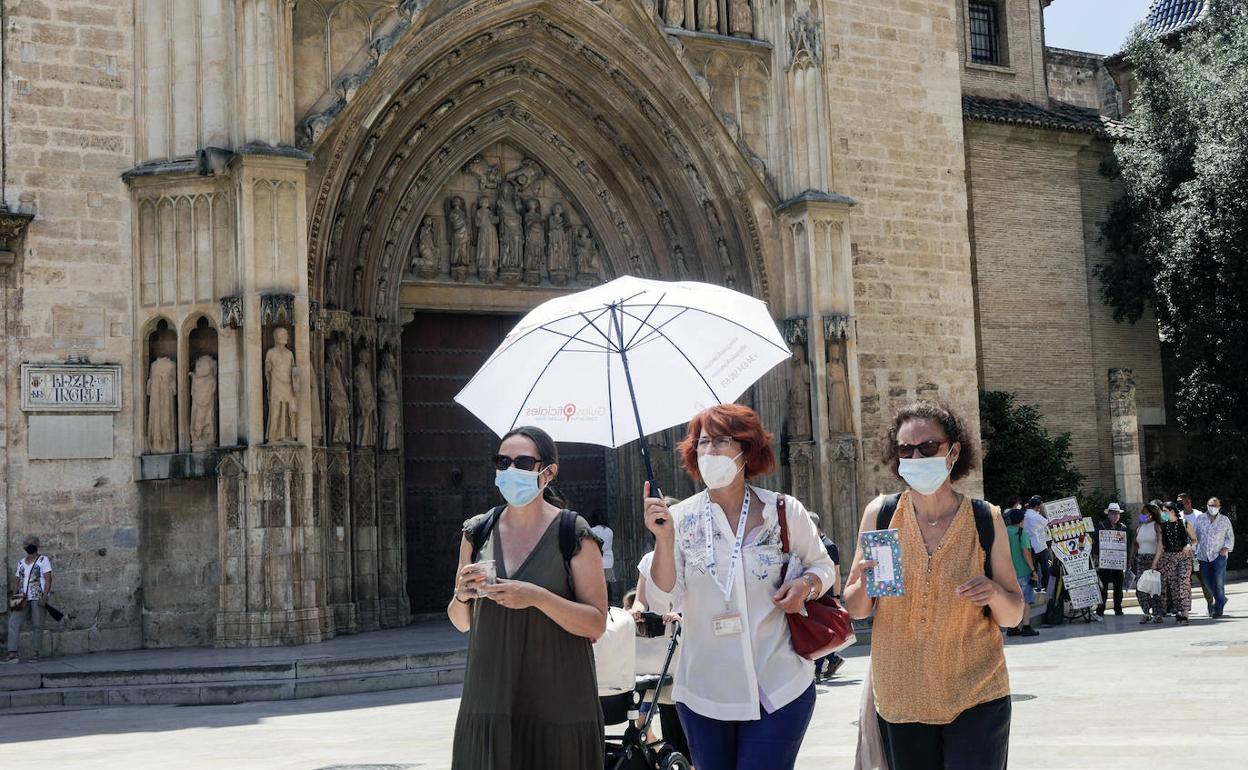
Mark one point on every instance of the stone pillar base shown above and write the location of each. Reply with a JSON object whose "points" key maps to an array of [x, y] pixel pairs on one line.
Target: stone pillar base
{"points": [[344, 618], [272, 628], [396, 612]]}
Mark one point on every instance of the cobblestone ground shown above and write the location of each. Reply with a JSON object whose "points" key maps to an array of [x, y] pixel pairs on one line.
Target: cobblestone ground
{"points": [[1108, 695]]}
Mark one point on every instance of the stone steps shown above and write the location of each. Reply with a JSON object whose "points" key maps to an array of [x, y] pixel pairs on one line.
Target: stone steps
{"points": [[27, 692]]}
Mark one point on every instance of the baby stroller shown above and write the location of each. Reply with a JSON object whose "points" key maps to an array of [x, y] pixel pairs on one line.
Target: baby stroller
{"points": [[631, 751]]}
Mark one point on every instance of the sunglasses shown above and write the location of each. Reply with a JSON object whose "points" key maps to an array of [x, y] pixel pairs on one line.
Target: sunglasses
{"points": [[523, 462], [927, 448]]}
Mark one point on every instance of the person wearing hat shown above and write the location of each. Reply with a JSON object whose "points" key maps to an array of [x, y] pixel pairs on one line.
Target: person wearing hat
{"points": [[1037, 526], [1112, 522], [34, 586], [1024, 567]]}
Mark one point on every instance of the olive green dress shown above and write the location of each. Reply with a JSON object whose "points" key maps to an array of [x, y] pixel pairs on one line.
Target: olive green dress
{"points": [[530, 697]]}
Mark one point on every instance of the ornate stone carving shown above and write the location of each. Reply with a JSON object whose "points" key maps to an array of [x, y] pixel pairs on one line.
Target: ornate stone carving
{"points": [[674, 13], [427, 261], [357, 289], [534, 242], [802, 468], [588, 271], [487, 241], [486, 173], [558, 248], [799, 391], [840, 405], [708, 15], [838, 326], [461, 239], [389, 399], [204, 404], [740, 18], [1123, 412], [365, 404], [281, 378], [231, 491], [232, 312], [725, 264], [162, 416], [277, 309], [510, 234], [339, 394], [318, 406], [526, 175], [805, 39]]}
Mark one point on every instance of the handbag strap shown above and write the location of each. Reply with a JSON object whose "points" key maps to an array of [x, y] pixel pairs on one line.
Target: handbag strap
{"points": [[784, 524]]}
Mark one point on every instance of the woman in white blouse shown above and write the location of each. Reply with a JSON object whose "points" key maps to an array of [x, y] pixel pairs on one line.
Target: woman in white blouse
{"points": [[745, 697]]}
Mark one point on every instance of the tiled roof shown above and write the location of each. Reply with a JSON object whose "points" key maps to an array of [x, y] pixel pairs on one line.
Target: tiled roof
{"points": [[1169, 16], [1059, 116]]}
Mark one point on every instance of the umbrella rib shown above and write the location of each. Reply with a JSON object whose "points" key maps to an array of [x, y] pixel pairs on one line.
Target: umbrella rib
{"points": [[743, 327], [646, 322], [650, 335], [676, 347], [545, 369], [610, 347]]}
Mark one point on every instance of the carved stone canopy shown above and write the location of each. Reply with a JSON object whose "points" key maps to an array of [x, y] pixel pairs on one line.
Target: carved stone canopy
{"points": [[232, 312], [277, 309], [795, 331], [838, 326]]}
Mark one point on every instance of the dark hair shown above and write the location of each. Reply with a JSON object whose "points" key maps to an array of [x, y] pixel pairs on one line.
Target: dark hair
{"points": [[630, 598], [547, 452], [743, 425], [1014, 502], [953, 425], [1154, 515]]}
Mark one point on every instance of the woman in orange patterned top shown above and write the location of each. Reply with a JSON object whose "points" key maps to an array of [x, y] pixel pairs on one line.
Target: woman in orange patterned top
{"points": [[940, 685]]}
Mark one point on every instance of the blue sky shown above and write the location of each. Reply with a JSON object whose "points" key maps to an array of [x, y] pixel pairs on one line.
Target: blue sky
{"points": [[1095, 26]]}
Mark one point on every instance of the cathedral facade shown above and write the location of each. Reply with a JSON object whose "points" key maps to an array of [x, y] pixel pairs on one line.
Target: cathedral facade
{"points": [[252, 249]]}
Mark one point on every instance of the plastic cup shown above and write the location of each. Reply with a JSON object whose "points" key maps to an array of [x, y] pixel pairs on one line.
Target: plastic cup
{"points": [[489, 571]]}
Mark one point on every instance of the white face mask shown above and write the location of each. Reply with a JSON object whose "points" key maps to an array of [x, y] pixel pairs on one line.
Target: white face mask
{"points": [[925, 475], [1213, 510], [718, 471]]}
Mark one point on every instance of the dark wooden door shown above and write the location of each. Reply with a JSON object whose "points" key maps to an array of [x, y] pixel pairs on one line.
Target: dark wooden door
{"points": [[448, 476]]}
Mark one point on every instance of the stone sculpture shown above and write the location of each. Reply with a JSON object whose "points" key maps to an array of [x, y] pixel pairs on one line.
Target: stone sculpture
{"points": [[461, 240], [587, 269], [510, 234], [674, 13], [426, 262], [280, 376], [708, 15], [204, 404], [799, 393], [357, 288], [365, 405], [318, 407], [487, 241], [485, 172], [527, 175], [162, 416], [558, 251], [840, 408], [741, 18], [534, 242], [331, 278], [339, 396], [389, 401]]}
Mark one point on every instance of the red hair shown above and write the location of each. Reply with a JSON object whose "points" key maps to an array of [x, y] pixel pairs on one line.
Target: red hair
{"points": [[740, 422]]}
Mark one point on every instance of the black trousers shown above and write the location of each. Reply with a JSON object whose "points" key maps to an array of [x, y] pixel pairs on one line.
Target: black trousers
{"points": [[979, 739], [1110, 577]]}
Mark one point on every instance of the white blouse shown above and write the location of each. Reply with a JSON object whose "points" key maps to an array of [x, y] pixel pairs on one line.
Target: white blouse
{"points": [[729, 677]]}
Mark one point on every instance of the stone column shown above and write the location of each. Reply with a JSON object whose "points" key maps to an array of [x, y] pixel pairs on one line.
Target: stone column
{"points": [[266, 84], [391, 538], [364, 534], [1125, 432], [800, 447], [12, 231]]}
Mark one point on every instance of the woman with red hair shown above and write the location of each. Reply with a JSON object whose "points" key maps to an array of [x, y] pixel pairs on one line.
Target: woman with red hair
{"points": [[744, 696]]}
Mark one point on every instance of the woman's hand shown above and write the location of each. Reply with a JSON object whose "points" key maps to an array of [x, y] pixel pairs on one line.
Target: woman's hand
{"points": [[514, 594], [672, 617], [858, 573], [792, 596], [468, 581], [658, 516], [978, 590]]}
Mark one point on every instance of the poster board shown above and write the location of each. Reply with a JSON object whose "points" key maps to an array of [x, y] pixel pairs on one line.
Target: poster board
{"points": [[1113, 549], [1061, 509], [1072, 544]]}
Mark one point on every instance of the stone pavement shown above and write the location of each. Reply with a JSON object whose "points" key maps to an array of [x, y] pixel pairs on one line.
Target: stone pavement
{"points": [[1080, 691]]}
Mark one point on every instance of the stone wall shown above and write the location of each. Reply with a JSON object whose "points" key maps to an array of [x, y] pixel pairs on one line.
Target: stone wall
{"points": [[68, 131], [180, 554], [1020, 76], [1081, 79]]}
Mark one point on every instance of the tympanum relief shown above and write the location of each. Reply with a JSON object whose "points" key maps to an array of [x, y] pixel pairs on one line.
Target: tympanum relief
{"points": [[504, 219]]}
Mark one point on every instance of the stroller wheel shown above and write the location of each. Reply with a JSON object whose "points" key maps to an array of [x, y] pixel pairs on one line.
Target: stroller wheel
{"points": [[675, 761]]}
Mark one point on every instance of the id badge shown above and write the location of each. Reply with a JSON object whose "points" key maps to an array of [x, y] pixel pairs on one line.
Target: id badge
{"points": [[728, 624]]}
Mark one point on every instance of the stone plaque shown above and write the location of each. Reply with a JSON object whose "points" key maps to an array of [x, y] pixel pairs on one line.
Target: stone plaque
{"points": [[71, 387]]}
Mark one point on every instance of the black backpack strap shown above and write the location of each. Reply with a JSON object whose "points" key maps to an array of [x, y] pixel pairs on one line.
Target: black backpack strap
{"points": [[887, 509], [567, 536], [985, 527], [481, 532]]}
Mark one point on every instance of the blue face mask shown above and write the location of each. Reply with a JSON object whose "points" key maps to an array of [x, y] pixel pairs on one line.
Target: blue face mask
{"points": [[924, 475], [518, 487]]}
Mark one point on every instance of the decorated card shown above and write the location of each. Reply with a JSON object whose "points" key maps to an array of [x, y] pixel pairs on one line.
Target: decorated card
{"points": [[884, 548]]}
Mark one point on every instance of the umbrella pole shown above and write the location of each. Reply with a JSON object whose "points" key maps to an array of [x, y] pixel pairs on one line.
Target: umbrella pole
{"points": [[628, 378]]}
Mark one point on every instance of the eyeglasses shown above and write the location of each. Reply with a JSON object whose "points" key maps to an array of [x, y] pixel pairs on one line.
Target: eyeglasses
{"points": [[927, 448], [719, 442], [523, 462]]}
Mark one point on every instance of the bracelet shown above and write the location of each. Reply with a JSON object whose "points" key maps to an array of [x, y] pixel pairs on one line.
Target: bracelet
{"points": [[462, 601]]}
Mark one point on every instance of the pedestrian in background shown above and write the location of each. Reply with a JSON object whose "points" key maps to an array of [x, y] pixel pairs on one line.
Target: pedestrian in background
{"points": [[1177, 539], [939, 680], [1113, 523], [1024, 567], [606, 536], [1191, 515], [34, 586], [1037, 526], [1145, 556], [1216, 540], [832, 661]]}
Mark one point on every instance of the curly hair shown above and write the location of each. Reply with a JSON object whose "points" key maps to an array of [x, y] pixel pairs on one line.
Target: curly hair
{"points": [[951, 423], [742, 424]]}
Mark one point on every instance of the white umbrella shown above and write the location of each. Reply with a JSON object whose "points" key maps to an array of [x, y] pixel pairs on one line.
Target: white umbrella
{"points": [[623, 360]]}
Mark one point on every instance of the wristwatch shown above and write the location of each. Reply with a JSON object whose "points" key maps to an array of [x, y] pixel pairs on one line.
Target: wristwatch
{"points": [[814, 586]]}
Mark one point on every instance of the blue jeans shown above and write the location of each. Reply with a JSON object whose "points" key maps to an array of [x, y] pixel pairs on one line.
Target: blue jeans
{"points": [[769, 742], [1213, 575]]}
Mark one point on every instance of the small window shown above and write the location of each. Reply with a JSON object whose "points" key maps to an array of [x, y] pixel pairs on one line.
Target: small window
{"points": [[985, 33]]}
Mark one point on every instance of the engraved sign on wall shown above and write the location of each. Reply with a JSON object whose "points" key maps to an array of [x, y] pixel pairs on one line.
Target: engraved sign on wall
{"points": [[71, 387]]}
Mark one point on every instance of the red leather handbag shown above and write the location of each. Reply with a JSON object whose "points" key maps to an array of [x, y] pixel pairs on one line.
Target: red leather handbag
{"points": [[826, 627]]}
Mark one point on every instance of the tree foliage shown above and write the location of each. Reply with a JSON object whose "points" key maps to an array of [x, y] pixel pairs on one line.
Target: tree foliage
{"points": [[1020, 456], [1178, 238]]}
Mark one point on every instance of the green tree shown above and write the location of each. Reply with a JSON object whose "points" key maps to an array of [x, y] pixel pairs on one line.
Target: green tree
{"points": [[1178, 238], [1020, 456]]}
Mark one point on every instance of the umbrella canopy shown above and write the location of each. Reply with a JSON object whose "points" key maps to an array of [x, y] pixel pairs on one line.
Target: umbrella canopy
{"points": [[623, 360]]}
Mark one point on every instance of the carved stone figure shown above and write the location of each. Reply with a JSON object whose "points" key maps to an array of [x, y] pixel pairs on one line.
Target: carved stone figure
{"points": [[280, 376], [318, 407], [526, 175], [365, 405], [741, 18], [389, 400], [461, 239], [339, 396], [682, 264], [331, 280], [204, 404], [357, 289], [725, 263], [510, 234], [587, 268], [840, 408], [674, 13], [708, 15], [427, 263], [487, 241], [534, 242], [162, 416], [485, 172], [558, 249], [799, 394]]}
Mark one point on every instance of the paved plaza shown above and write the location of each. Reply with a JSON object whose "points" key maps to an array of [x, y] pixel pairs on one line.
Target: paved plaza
{"points": [[1108, 695]]}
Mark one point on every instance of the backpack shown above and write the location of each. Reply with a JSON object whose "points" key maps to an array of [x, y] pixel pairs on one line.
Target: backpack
{"points": [[567, 534], [983, 527]]}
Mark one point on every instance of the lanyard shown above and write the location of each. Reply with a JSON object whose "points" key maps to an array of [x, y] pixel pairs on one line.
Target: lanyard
{"points": [[708, 527]]}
